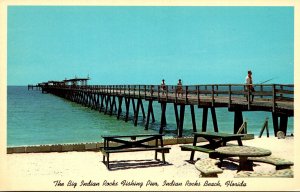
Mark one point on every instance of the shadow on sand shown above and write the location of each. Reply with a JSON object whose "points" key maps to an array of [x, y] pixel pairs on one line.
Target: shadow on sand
{"points": [[233, 164], [135, 164]]}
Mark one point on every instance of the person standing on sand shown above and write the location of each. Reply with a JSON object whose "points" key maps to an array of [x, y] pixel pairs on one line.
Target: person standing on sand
{"points": [[249, 83], [179, 88]]}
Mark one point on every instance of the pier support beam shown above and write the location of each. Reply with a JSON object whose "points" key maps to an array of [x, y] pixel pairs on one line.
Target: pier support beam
{"points": [[142, 108], [133, 105], [86, 102], [113, 103], [136, 114], [97, 102], [82, 98], [181, 120], [282, 125], [89, 99], [94, 101], [204, 119], [106, 104], [102, 103], [238, 120], [163, 117], [193, 118], [83, 101], [120, 107], [127, 102], [275, 123], [214, 118], [152, 114], [176, 115], [110, 102], [148, 114]]}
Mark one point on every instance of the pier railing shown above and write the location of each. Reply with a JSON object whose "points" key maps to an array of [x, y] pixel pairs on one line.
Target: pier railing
{"points": [[270, 95]]}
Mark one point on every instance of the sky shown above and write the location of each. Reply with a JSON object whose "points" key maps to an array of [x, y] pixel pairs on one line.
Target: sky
{"points": [[142, 45]]}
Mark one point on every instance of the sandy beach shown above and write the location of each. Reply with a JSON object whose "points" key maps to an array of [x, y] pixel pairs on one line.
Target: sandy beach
{"points": [[135, 171]]}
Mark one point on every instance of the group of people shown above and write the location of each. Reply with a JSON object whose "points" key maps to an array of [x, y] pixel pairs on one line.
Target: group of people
{"points": [[249, 83], [163, 87]]}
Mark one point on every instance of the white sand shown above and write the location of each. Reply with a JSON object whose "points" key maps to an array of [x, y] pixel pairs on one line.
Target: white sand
{"points": [[40, 170]]}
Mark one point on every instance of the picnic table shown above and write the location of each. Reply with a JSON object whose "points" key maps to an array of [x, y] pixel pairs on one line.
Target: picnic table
{"points": [[133, 143], [243, 152], [215, 140]]}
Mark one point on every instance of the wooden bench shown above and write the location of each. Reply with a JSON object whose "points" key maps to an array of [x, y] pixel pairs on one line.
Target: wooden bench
{"points": [[208, 167], [278, 162], [137, 143], [215, 139], [204, 148], [278, 173]]}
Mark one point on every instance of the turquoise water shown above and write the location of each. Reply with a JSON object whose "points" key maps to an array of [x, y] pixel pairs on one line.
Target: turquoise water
{"points": [[35, 118]]}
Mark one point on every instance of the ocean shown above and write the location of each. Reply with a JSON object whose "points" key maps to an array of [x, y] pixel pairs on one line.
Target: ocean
{"points": [[34, 118]]}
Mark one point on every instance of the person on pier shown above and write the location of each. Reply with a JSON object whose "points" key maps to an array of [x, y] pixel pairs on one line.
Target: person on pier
{"points": [[249, 83], [179, 88], [163, 87]]}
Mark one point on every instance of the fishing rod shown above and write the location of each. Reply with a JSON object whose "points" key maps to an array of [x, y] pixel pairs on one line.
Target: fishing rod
{"points": [[266, 80], [262, 82]]}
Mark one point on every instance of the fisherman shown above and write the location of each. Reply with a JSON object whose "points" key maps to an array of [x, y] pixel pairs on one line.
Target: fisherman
{"points": [[249, 83], [163, 86], [179, 88]]}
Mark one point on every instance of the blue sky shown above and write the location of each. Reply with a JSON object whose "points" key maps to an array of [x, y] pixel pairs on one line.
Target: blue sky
{"points": [[142, 45]]}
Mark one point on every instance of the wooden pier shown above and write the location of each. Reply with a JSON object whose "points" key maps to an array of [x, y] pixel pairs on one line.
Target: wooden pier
{"points": [[36, 87], [277, 99]]}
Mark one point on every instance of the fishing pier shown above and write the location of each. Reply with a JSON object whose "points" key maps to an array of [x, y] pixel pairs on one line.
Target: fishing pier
{"points": [[277, 99]]}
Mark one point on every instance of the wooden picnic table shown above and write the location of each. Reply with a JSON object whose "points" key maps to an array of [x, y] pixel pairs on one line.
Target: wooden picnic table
{"points": [[215, 140], [133, 143], [243, 152]]}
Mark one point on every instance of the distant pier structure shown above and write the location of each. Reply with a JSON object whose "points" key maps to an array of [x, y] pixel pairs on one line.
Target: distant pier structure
{"points": [[45, 86], [35, 87], [76, 82], [277, 99]]}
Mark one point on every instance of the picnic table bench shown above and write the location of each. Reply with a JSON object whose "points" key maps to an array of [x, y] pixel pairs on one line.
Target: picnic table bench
{"points": [[208, 167], [203, 148], [133, 143], [278, 162], [289, 173], [215, 140]]}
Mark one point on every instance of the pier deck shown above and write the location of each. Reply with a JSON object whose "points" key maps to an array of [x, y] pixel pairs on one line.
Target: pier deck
{"points": [[275, 98]]}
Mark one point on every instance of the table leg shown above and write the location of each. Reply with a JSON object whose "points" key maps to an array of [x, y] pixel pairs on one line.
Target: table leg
{"points": [[224, 142], [156, 145], [240, 141], [245, 165], [107, 163], [163, 157], [104, 146], [163, 152], [193, 152]]}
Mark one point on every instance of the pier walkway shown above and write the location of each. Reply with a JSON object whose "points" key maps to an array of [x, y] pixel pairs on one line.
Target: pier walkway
{"points": [[275, 98]]}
